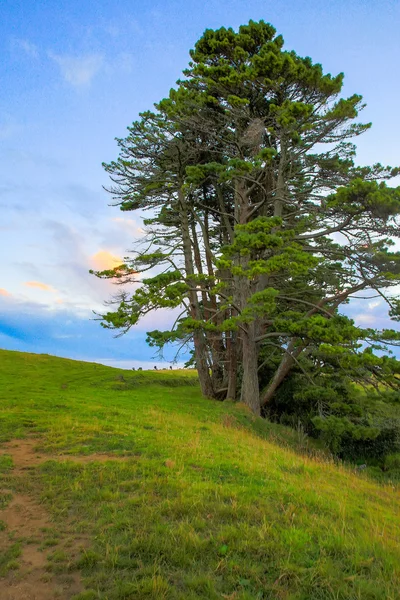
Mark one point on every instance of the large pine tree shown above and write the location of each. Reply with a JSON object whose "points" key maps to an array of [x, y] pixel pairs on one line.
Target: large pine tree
{"points": [[261, 224]]}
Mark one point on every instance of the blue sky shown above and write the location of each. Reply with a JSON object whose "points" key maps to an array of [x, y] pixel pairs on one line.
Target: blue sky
{"points": [[73, 76]]}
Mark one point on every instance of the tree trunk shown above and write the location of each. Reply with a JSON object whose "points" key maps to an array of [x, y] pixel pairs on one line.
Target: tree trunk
{"points": [[203, 370], [282, 371], [232, 353], [200, 345], [215, 345], [250, 394], [293, 353]]}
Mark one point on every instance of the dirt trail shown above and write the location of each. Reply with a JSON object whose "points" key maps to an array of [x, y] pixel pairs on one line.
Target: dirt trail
{"points": [[26, 521], [25, 455], [27, 525]]}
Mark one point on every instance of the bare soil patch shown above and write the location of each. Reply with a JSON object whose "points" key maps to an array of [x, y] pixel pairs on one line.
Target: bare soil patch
{"points": [[26, 522], [25, 455], [27, 525], [25, 516]]}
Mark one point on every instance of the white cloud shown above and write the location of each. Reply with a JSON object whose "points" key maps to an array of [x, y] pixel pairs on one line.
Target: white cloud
{"points": [[31, 326], [372, 305], [365, 320], [78, 70], [129, 225], [27, 47]]}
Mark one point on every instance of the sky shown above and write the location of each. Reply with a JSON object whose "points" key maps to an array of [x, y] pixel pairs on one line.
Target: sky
{"points": [[73, 75]]}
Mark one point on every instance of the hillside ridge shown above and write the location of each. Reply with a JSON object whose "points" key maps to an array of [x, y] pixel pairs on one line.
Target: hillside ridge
{"points": [[152, 491]]}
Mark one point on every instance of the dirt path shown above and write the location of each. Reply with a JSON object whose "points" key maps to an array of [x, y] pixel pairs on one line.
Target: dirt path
{"points": [[25, 455], [27, 526], [26, 523]]}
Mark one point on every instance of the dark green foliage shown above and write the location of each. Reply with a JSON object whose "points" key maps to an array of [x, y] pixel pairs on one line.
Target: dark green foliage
{"points": [[348, 420], [380, 446]]}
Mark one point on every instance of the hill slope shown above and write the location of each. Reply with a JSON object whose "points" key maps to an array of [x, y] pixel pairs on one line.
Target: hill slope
{"points": [[132, 486]]}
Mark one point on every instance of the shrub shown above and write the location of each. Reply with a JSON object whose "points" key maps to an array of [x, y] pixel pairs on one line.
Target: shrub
{"points": [[392, 462], [351, 424]]}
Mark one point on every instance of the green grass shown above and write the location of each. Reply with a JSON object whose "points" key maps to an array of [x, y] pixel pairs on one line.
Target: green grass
{"points": [[209, 501]]}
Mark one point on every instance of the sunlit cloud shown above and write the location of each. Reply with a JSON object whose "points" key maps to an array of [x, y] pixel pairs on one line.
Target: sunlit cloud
{"points": [[78, 70], [105, 260], [4, 292], [40, 286]]}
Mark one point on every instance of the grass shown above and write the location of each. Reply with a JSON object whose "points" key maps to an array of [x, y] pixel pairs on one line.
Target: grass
{"points": [[208, 502]]}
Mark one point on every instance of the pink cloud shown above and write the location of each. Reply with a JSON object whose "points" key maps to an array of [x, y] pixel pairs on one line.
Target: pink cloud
{"points": [[39, 285]]}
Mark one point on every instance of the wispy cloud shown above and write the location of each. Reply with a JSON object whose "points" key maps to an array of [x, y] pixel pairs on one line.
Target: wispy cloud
{"points": [[4, 292], [365, 320], [129, 225], [26, 47], [125, 61], [39, 285], [79, 71], [9, 127], [373, 305], [31, 327]]}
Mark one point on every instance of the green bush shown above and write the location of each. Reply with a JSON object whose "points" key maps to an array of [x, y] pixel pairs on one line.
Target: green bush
{"points": [[386, 442], [352, 424], [392, 461]]}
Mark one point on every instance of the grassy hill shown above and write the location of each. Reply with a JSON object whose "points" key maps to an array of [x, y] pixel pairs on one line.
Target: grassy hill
{"points": [[128, 485]]}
